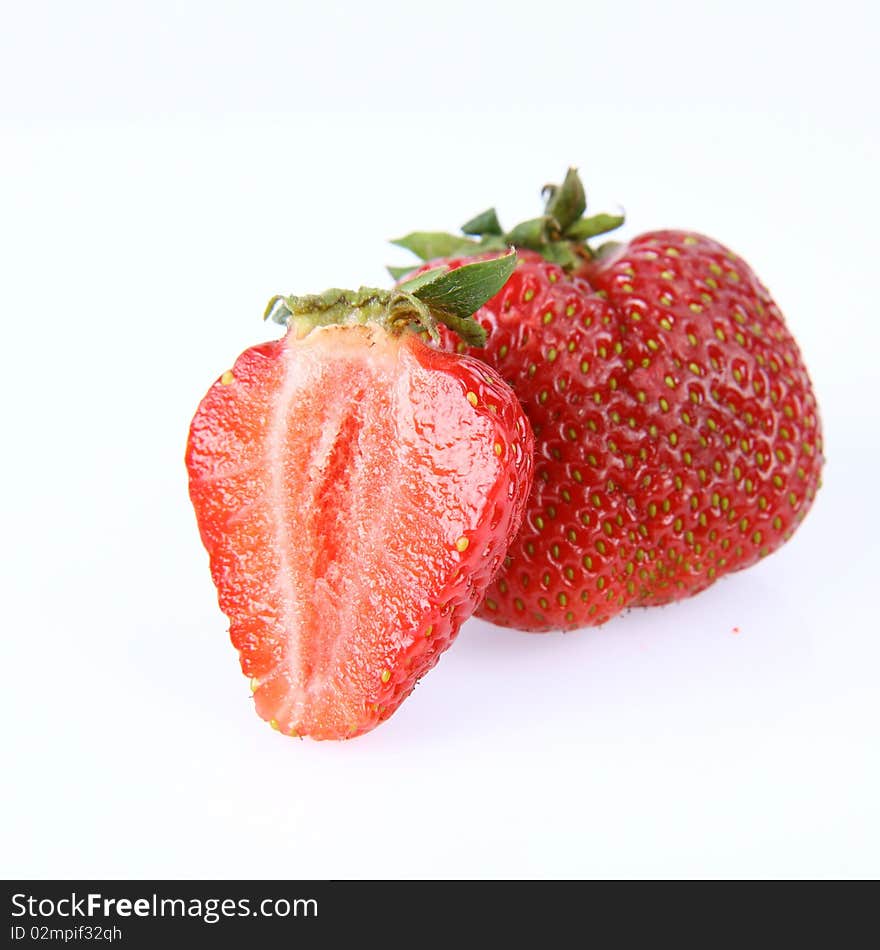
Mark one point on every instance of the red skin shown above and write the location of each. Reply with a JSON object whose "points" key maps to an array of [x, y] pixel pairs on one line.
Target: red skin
{"points": [[646, 492], [356, 493]]}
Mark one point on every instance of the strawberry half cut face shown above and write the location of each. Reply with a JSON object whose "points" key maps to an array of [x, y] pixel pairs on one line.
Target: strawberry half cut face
{"points": [[356, 491]]}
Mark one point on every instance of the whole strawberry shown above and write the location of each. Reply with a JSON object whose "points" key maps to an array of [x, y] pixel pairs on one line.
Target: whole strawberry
{"points": [[677, 434], [356, 490]]}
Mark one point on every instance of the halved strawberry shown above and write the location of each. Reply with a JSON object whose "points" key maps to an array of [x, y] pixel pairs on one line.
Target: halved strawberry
{"points": [[356, 490]]}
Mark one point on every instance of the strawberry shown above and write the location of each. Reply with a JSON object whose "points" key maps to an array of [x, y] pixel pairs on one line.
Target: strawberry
{"points": [[677, 433], [356, 490]]}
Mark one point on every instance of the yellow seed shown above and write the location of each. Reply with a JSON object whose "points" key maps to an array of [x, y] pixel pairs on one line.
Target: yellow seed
{"points": [[462, 543], [255, 684], [273, 723], [497, 448], [227, 377], [386, 675], [472, 398]]}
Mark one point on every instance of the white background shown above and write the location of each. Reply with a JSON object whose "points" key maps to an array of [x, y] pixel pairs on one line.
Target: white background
{"points": [[164, 169]]}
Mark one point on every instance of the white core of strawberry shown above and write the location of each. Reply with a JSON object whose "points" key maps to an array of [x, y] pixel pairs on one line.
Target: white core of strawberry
{"points": [[343, 495]]}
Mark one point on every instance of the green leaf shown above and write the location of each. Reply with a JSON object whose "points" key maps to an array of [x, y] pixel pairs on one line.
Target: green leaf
{"points": [[426, 277], [464, 290], [430, 244], [485, 223], [277, 310], [606, 250], [591, 227], [454, 295], [534, 233], [466, 327], [560, 252], [493, 242], [398, 272], [567, 202]]}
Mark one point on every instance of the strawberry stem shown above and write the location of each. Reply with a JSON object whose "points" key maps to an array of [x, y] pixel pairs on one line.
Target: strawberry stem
{"points": [[437, 296], [560, 234], [567, 202], [483, 224]]}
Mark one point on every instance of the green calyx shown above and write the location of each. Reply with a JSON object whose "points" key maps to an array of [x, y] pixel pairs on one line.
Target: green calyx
{"points": [[439, 296], [560, 234]]}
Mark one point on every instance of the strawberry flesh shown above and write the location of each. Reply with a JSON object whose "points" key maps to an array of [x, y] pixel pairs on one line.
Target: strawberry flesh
{"points": [[356, 492]]}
